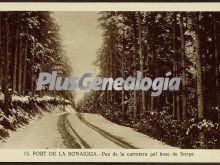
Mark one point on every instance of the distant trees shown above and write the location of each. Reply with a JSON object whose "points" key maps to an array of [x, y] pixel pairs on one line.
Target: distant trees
{"points": [[29, 44], [154, 43]]}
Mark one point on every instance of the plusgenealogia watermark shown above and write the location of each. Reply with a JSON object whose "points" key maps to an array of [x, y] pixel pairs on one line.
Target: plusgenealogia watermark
{"points": [[84, 83]]}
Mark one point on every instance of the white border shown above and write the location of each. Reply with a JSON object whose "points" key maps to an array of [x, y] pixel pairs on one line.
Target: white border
{"points": [[69, 6]]}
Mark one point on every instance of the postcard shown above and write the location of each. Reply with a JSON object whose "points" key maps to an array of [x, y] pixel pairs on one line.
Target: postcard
{"points": [[109, 82]]}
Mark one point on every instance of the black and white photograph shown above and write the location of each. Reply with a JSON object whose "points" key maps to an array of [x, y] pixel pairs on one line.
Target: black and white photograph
{"points": [[109, 80]]}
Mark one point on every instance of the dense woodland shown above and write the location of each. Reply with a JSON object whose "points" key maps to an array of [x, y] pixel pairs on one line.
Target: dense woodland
{"points": [[29, 44], [154, 43]]}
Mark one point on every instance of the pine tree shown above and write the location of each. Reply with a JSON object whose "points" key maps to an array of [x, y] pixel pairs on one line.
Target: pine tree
{"points": [[199, 76]]}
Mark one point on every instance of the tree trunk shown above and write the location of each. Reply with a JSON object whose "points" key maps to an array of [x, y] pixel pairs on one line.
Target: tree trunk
{"points": [[123, 91], [134, 68], [199, 77], [183, 67], [25, 67], [19, 83], [176, 99], [153, 70], [111, 67], [153, 99], [141, 61], [6, 71], [32, 70], [174, 61], [15, 62]]}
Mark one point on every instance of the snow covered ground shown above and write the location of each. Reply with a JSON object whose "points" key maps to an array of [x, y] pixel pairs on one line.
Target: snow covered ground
{"points": [[133, 137], [118, 132], [93, 138], [42, 133], [74, 130]]}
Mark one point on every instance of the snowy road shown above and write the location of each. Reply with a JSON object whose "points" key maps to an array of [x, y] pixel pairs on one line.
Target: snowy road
{"points": [[42, 133], [78, 130]]}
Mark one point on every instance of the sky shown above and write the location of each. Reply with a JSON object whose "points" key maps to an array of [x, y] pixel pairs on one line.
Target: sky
{"points": [[81, 39]]}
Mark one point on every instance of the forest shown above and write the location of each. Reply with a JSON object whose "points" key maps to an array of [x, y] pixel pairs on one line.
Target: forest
{"points": [[29, 43], [154, 43]]}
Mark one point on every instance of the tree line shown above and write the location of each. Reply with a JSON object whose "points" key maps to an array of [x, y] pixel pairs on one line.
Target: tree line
{"points": [[154, 43], [29, 43]]}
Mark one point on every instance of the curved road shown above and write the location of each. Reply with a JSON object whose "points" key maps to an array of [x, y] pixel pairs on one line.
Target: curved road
{"points": [[53, 130], [73, 140], [74, 131]]}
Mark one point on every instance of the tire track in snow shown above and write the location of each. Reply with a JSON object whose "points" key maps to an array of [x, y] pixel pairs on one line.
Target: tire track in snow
{"points": [[107, 135], [69, 140]]}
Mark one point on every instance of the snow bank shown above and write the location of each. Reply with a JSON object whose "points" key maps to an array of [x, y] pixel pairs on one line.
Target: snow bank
{"points": [[24, 109], [41, 133], [23, 99], [26, 99]]}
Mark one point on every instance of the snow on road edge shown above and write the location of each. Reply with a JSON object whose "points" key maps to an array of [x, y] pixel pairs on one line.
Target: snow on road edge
{"points": [[125, 133]]}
